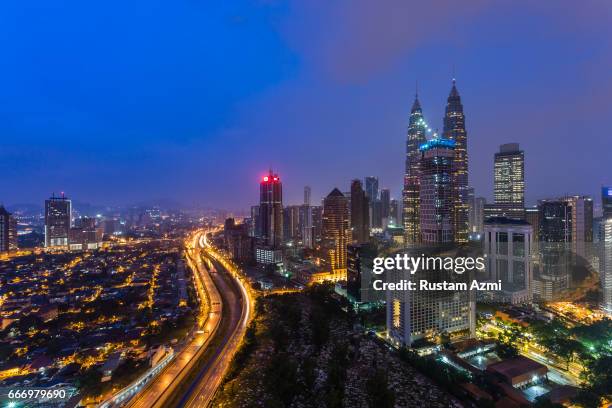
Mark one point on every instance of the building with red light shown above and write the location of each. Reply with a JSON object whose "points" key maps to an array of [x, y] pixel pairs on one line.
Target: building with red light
{"points": [[271, 210]]}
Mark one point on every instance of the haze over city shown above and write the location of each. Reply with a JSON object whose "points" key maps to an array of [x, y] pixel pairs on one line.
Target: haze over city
{"points": [[126, 102]]}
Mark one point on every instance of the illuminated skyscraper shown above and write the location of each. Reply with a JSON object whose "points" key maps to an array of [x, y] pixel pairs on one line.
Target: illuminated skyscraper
{"points": [[605, 235], [336, 230], [306, 220], [606, 202], [437, 197], [509, 181], [417, 129], [8, 231], [271, 210], [454, 129], [360, 214], [58, 218]]}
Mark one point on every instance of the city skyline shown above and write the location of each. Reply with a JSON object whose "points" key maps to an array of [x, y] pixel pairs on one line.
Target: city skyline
{"points": [[137, 126]]}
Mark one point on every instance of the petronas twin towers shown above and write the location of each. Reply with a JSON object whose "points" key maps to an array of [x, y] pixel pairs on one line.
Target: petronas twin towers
{"points": [[454, 129]]}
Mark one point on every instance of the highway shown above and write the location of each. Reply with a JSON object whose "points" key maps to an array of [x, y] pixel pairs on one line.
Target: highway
{"points": [[237, 302], [161, 389]]}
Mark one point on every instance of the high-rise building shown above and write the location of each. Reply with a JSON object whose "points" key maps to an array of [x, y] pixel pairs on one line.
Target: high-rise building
{"points": [[437, 198], [359, 275], [394, 212], [532, 216], [454, 129], [606, 264], [476, 216], [507, 245], [58, 220], [8, 231], [417, 129], [385, 204], [317, 223], [371, 188], [360, 214], [509, 181], [606, 202], [555, 221], [420, 313], [271, 210], [336, 230], [582, 222], [291, 223], [255, 226], [306, 220]]}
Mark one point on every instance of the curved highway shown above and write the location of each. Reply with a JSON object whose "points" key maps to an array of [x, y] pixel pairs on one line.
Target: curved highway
{"points": [[195, 374]]}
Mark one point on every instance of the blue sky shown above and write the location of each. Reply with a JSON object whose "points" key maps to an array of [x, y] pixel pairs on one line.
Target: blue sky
{"points": [[118, 102]]}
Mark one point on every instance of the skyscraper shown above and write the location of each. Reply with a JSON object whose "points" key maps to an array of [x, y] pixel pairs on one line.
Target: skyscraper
{"points": [[360, 214], [385, 203], [476, 216], [58, 218], [454, 129], [509, 181], [271, 210], [605, 262], [606, 202], [336, 230], [371, 188], [417, 129], [306, 220], [8, 231], [437, 199]]}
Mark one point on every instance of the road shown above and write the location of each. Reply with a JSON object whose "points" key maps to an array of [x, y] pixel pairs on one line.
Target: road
{"points": [[236, 311], [160, 390]]}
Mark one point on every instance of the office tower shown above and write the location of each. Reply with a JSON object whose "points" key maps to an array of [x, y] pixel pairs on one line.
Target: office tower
{"points": [[437, 199], [271, 210], [393, 212], [507, 246], [417, 129], [359, 274], [336, 230], [454, 129], [552, 270], [606, 265], [605, 238], [385, 203], [306, 220], [532, 216], [360, 214], [555, 221], [376, 218], [255, 227], [291, 223], [509, 181], [371, 188], [317, 223], [606, 202], [476, 216], [8, 231], [58, 217], [582, 222]]}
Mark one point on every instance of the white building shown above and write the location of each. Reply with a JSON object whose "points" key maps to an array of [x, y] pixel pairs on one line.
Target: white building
{"points": [[507, 245]]}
